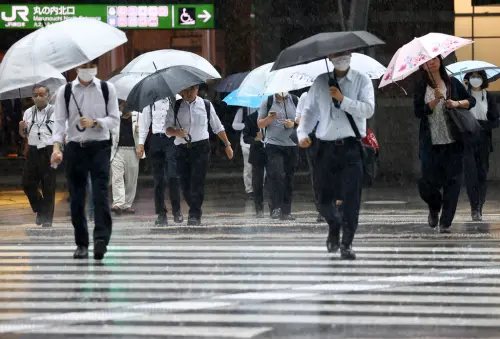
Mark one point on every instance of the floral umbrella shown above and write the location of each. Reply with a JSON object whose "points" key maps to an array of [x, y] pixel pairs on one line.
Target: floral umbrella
{"points": [[411, 56]]}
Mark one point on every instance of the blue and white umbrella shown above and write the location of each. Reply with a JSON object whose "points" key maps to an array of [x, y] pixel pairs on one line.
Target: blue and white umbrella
{"points": [[460, 69], [232, 99]]}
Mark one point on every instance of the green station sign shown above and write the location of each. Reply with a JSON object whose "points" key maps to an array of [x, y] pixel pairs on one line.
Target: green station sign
{"points": [[123, 17]]}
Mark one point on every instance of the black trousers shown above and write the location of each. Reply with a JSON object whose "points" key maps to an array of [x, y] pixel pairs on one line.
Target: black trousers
{"points": [[258, 186], [163, 155], [81, 159], [281, 164], [38, 173], [442, 168], [477, 164], [192, 163], [339, 176], [311, 152]]}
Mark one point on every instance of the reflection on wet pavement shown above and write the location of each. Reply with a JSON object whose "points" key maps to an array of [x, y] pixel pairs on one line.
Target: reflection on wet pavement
{"points": [[239, 277]]}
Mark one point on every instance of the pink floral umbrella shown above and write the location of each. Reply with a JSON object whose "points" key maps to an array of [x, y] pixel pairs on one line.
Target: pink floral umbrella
{"points": [[414, 54]]}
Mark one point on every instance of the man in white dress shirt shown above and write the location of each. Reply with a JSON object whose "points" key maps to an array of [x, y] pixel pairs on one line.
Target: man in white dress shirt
{"points": [[338, 159], [37, 125], [163, 155], [189, 122], [239, 125], [90, 118]]}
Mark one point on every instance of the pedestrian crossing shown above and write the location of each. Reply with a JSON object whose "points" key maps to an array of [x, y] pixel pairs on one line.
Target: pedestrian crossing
{"points": [[251, 289]]}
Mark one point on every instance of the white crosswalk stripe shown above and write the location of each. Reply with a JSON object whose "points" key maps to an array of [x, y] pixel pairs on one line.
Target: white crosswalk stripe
{"points": [[243, 289]]}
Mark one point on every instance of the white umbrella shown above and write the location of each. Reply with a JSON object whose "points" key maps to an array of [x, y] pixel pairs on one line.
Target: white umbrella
{"points": [[17, 78], [460, 69], [261, 81], [152, 61], [67, 44], [125, 82]]}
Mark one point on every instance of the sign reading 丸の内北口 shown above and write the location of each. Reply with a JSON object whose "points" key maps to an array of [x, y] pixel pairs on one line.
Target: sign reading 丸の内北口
{"points": [[130, 16]]}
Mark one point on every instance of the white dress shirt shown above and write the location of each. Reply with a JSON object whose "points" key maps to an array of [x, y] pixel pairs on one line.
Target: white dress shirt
{"points": [[192, 117], [301, 105], [239, 123], [91, 103], [160, 109], [359, 101], [39, 133], [480, 110]]}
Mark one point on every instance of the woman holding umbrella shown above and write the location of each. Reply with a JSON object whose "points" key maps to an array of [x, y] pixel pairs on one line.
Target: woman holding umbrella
{"points": [[440, 154], [477, 152]]}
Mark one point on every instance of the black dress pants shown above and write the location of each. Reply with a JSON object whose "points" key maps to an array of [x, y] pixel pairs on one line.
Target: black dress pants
{"points": [[439, 187], [93, 157], [192, 163], [477, 164], [38, 173], [163, 155], [339, 176], [281, 165]]}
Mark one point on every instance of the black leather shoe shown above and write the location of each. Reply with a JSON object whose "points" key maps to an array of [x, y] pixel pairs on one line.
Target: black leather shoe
{"points": [[178, 218], [347, 253], [39, 219], [47, 225], [433, 219], [161, 220], [193, 221], [81, 253], [476, 216], [444, 229], [100, 249], [287, 217], [320, 218], [276, 214], [332, 244], [259, 214]]}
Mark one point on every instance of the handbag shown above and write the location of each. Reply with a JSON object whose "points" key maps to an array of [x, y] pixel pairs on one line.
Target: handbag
{"points": [[463, 125], [368, 154]]}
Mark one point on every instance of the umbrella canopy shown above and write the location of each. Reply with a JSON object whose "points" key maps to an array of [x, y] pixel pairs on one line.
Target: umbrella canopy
{"points": [[411, 56], [459, 69], [162, 84], [319, 46], [232, 99], [165, 58], [66, 44], [367, 65], [231, 83], [17, 79], [125, 82]]}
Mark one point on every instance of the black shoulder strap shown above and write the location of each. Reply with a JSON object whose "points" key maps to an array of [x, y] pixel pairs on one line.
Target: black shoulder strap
{"points": [[177, 106], [270, 100], [32, 108], [353, 126], [67, 96], [207, 108], [245, 113], [295, 99], [105, 94]]}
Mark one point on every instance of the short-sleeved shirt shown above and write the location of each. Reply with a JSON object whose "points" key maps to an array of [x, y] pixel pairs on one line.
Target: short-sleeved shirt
{"points": [[276, 133]]}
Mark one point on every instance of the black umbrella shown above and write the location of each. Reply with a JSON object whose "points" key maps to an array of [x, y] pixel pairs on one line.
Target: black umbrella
{"points": [[231, 83], [165, 83], [319, 46]]}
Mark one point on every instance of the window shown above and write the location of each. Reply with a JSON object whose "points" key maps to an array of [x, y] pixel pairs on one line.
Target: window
{"points": [[465, 7], [463, 26]]}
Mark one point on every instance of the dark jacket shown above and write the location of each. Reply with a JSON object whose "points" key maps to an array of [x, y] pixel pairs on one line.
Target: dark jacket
{"points": [[422, 110], [257, 156]]}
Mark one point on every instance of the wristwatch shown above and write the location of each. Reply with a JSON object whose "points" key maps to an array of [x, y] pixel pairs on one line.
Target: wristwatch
{"points": [[94, 124], [227, 145]]}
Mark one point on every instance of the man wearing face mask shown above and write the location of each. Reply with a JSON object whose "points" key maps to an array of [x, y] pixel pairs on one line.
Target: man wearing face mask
{"points": [[189, 122], [338, 159], [276, 116], [37, 127], [90, 106]]}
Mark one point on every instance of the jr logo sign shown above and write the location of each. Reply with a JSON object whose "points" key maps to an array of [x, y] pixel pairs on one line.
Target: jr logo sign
{"points": [[22, 11]]}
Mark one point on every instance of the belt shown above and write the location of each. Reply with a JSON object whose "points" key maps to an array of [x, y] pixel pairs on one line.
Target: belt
{"points": [[161, 135], [341, 142], [194, 144], [91, 143]]}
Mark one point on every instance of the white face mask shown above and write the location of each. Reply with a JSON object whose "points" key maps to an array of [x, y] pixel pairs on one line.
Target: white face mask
{"points": [[87, 74], [284, 94], [476, 82], [341, 63]]}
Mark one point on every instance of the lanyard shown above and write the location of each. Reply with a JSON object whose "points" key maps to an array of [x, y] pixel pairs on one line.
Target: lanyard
{"points": [[38, 123]]}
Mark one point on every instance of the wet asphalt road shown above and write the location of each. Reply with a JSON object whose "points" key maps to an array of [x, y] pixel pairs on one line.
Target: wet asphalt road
{"points": [[238, 277]]}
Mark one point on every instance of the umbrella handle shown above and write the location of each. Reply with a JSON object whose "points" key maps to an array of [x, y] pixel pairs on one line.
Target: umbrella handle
{"points": [[80, 129], [188, 138]]}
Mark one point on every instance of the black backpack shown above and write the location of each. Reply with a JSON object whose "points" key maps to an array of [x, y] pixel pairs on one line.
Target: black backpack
{"points": [[105, 94], [177, 106], [270, 100]]}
